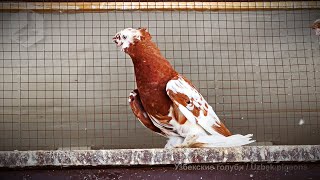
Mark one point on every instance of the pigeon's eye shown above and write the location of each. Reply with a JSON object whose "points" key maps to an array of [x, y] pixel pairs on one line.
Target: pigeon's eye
{"points": [[124, 37]]}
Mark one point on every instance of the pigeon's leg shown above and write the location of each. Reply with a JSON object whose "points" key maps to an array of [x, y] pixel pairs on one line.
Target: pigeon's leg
{"points": [[317, 31], [190, 142], [139, 111], [174, 141]]}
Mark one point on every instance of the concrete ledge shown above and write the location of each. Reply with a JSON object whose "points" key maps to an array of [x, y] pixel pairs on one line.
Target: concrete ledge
{"points": [[115, 157]]}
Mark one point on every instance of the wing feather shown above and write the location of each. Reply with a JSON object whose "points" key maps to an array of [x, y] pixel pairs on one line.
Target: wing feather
{"points": [[141, 114], [193, 106]]}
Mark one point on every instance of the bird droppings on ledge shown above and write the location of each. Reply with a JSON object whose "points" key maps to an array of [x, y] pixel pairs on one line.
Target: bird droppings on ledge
{"points": [[301, 122], [305, 153]]}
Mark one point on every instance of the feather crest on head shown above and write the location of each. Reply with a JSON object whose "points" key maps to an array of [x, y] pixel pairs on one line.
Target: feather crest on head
{"points": [[129, 36], [316, 27]]}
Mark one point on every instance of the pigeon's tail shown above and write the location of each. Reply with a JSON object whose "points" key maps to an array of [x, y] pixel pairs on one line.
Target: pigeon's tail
{"points": [[222, 141]]}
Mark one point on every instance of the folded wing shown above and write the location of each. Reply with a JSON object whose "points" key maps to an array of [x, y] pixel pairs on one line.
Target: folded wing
{"points": [[194, 107], [141, 114]]}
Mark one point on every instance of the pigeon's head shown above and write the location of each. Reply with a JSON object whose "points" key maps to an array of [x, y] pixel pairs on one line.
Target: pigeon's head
{"points": [[316, 27], [130, 36]]}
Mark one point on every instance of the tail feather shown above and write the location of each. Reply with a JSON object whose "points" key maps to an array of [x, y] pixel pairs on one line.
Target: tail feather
{"points": [[223, 141]]}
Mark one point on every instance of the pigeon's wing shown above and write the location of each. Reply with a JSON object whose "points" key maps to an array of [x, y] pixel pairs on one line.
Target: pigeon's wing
{"points": [[190, 103], [141, 114]]}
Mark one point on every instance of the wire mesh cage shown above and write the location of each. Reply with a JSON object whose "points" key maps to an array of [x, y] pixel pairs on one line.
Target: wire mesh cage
{"points": [[64, 84]]}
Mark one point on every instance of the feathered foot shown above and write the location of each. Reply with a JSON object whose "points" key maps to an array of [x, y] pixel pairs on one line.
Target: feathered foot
{"points": [[174, 141]]}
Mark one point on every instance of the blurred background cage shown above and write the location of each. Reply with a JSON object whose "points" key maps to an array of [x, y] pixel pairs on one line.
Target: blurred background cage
{"points": [[64, 84]]}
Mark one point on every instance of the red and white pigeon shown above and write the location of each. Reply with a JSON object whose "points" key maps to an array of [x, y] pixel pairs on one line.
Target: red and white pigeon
{"points": [[167, 103], [316, 27]]}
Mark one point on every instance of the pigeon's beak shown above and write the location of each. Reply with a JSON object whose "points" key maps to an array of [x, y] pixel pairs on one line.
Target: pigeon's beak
{"points": [[116, 39]]}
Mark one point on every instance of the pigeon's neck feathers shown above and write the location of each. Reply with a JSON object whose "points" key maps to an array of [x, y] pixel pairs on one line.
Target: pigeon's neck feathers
{"points": [[149, 64], [144, 50]]}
